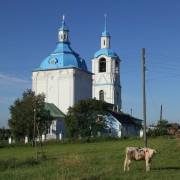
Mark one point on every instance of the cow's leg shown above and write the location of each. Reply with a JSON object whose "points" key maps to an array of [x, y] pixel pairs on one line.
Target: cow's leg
{"points": [[147, 165], [127, 162]]}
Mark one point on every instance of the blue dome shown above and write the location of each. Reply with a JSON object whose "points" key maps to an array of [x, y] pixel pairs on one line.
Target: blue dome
{"points": [[63, 28], [63, 57], [105, 33], [106, 52]]}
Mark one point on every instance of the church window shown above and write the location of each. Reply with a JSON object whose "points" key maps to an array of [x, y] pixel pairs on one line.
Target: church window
{"points": [[48, 130], [117, 97], [102, 65], [117, 66], [104, 42], [101, 95], [61, 37], [64, 36]]}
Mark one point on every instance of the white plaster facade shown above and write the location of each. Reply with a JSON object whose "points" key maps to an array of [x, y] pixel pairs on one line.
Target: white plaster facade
{"points": [[63, 87], [108, 82]]}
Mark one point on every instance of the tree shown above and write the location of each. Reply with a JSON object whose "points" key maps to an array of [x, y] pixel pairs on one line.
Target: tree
{"points": [[161, 129], [85, 118], [5, 134], [162, 124], [29, 116]]}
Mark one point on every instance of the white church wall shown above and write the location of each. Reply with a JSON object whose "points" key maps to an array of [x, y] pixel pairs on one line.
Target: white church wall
{"points": [[108, 95], [57, 127], [52, 88], [65, 98], [63, 87], [103, 44], [106, 81]]}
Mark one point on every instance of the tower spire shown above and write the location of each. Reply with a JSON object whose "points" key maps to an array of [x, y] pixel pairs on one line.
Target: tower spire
{"points": [[63, 31], [105, 25], [105, 37], [63, 20]]}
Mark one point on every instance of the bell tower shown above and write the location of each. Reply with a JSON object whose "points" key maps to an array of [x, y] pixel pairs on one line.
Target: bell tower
{"points": [[106, 70]]}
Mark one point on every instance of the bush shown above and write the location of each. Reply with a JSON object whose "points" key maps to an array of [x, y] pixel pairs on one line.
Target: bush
{"points": [[157, 132]]}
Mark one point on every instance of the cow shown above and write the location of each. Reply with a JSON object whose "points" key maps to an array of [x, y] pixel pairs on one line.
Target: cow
{"points": [[138, 154]]}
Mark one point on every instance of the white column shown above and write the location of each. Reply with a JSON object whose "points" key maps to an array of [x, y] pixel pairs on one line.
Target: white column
{"points": [[119, 133], [26, 140], [10, 140], [60, 135], [43, 137], [141, 133]]}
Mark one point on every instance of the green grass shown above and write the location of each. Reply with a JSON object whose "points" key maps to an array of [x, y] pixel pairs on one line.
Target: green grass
{"points": [[100, 160]]}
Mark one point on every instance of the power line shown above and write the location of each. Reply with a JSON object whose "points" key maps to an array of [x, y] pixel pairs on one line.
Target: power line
{"points": [[151, 95]]}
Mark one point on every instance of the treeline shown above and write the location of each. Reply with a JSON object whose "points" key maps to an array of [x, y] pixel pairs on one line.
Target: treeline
{"points": [[162, 128], [4, 134]]}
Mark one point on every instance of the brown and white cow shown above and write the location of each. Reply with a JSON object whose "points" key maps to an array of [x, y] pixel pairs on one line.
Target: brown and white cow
{"points": [[138, 154]]}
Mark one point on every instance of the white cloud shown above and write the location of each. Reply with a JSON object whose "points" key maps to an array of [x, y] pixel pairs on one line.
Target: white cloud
{"points": [[7, 99], [11, 87], [11, 80]]}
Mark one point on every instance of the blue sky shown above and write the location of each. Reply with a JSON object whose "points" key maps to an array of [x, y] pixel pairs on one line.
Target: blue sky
{"points": [[28, 34]]}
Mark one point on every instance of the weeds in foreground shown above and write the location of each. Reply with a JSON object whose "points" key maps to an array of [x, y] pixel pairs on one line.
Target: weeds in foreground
{"points": [[14, 163]]}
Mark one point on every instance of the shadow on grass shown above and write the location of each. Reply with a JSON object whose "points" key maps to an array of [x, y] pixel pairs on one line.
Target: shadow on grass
{"points": [[166, 168]]}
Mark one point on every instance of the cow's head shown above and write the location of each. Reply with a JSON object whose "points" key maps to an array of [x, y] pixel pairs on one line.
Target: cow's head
{"points": [[150, 153]]}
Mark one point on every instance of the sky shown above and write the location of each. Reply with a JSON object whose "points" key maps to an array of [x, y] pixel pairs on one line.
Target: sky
{"points": [[29, 33]]}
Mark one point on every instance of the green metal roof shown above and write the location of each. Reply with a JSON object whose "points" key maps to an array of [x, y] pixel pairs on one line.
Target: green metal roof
{"points": [[54, 111]]}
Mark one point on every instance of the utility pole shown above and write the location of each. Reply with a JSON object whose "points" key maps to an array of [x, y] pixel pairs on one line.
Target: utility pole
{"points": [[160, 121], [34, 133], [161, 114], [144, 94], [34, 130]]}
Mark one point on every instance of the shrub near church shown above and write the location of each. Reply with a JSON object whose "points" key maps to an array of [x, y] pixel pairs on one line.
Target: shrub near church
{"points": [[82, 119]]}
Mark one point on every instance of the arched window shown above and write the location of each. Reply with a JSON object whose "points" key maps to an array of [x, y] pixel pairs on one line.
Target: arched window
{"points": [[117, 96], [101, 95], [65, 36], [102, 65], [61, 37], [117, 66]]}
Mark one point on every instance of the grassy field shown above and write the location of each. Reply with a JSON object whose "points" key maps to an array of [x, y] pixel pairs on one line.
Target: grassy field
{"points": [[100, 160]]}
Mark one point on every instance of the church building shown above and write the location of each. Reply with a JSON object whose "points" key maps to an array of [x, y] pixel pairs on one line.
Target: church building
{"points": [[64, 79], [63, 76]]}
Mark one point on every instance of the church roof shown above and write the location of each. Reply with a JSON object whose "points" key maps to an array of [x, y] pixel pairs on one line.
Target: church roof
{"points": [[105, 33], [106, 52], [126, 119], [63, 56], [123, 118], [54, 111]]}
